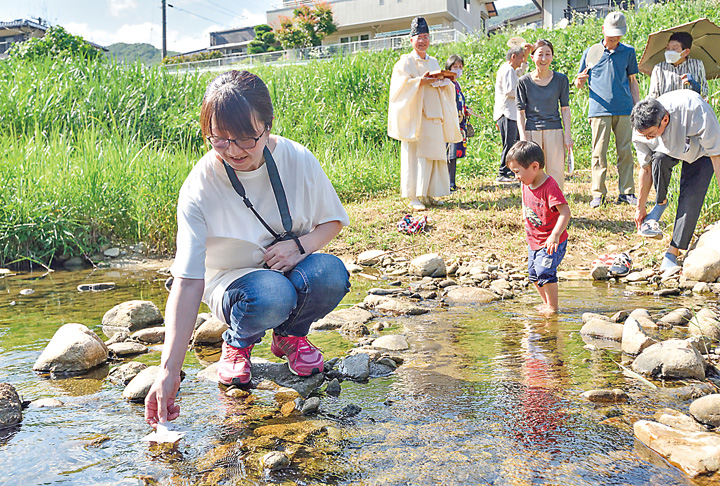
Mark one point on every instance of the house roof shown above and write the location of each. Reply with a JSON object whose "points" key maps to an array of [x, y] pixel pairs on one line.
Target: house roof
{"points": [[491, 10], [24, 26]]}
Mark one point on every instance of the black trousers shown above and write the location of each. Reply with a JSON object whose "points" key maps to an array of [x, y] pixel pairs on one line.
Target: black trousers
{"points": [[694, 182], [662, 166], [509, 134]]}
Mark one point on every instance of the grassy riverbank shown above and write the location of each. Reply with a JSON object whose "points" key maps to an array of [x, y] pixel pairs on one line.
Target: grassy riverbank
{"points": [[92, 153]]}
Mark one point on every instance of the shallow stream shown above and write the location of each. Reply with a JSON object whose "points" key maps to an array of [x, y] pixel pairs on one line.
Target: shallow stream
{"points": [[487, 395]]}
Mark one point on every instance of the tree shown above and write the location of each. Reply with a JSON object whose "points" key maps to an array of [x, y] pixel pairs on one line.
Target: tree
{"points": [[56, 43], [308, 26], [264, 40]]}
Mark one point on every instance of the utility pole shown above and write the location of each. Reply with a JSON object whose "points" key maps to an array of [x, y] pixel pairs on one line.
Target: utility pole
{"points": [[164, 30]]}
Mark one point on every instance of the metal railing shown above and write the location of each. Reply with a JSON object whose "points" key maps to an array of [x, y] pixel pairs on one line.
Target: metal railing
{"points": [[299, 56]]}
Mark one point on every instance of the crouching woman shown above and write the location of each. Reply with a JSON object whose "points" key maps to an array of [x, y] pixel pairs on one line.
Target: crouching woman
{"points": [[252, 216]]}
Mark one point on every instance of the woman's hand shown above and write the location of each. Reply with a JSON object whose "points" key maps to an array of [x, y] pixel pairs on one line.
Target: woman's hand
{"points": [[568, 141], [160, 403], [283, 256]]}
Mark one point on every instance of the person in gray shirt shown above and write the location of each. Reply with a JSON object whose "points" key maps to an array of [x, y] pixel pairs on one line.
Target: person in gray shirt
{"points": [[684, 126], [539, 94]]}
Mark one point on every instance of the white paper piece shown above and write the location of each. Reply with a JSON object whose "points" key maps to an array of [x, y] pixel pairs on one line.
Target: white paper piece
{"points": [[570, 162], [165, 432]]}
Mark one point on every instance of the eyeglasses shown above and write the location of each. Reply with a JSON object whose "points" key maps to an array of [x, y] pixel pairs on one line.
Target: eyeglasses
{"points": [[245, 143]]}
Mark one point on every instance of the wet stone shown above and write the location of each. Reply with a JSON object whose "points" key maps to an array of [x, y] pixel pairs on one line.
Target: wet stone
{"points": [[127, 348], [275, 460], [46, 403], [310, 406], [122, 375], [333, 388], [605, 396], [96, 287], [350, 410]]}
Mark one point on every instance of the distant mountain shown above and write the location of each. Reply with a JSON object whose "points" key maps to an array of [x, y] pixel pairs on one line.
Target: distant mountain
{"points": [[510, 12], [129, 53]]}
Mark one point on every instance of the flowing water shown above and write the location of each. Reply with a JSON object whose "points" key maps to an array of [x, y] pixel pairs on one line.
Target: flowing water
{"points": [[487, 395]]}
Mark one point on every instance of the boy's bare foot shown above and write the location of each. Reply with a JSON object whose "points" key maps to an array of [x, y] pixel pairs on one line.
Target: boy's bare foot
{"points": [[546, 310]]}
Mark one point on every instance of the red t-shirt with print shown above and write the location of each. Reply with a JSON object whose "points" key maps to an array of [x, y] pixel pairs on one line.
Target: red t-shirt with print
{"points": [[540, 212]]}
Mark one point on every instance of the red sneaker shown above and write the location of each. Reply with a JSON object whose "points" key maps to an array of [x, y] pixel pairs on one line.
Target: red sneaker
{"points": [[304, 359], [234, 365]]}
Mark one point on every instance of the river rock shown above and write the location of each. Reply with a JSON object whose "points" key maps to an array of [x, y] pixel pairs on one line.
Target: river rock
{"points": [[336, 319], [350, 410], [46, 403], [393, 306], [428, 265], [333, 388], [74, 262], [706, 410], [634, 339], [275, 460], [310, 406], [701, 288], [96, 287], [127, 348], [10, 406], [677, 420], [599, 272], [370, 257], [603, 329], [354, 330], [131, 316], [151, 335], [202, 317], [139, 386], [123, 374], [605, 396], [674, 358], [73, 349], [210, 331], [620, 316], [112, 252], [471, 295], [696, 453], [378, 370], [642, 317], [500, 286], [118, 337], [702, 264], [678, 317], [353, 267], [393, 342], [355, 367], [587, 316], [705, 323]]}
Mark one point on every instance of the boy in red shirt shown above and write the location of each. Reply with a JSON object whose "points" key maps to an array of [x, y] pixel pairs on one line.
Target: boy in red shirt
{"points": [[546, 214]]}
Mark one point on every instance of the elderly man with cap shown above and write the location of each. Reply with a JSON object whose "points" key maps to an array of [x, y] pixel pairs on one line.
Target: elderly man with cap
{"points": [[682, 125], [611, 77], [422, 114]]}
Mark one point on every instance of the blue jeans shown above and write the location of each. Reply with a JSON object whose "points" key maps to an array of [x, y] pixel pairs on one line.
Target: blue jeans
{"points": [[288, 303], [542, 268]]}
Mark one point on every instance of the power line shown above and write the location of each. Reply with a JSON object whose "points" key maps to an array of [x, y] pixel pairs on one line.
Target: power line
{"points": [[220, 8], [196, 15]]}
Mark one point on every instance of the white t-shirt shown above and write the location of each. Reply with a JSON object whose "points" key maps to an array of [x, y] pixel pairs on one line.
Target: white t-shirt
{"points": [[219, 238], [506, 82], [693, 130]]}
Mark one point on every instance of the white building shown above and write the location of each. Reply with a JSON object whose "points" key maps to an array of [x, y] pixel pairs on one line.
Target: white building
{"points": [[360, 20]]}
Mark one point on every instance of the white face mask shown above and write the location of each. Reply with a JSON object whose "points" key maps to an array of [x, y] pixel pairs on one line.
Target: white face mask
{"points": [[457, 71], [672, 57]]}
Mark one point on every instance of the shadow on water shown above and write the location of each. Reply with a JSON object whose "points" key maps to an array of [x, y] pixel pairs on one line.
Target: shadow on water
{"points": [[487, 395]]}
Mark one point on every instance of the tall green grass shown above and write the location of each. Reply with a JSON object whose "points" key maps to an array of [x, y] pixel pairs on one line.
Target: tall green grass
{"points": [[93, 152]]}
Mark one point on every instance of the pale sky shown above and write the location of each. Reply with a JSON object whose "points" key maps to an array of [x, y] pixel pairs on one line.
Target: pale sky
{"points": [[189, 23]]}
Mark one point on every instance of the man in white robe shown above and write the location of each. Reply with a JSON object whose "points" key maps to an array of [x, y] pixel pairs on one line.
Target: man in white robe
{"points": [[422, 114]]}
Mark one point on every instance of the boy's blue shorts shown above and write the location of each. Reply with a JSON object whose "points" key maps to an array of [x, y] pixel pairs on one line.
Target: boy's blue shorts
{"points": [[542, 268]]}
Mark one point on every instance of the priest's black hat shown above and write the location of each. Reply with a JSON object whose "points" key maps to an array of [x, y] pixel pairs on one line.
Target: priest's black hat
{"points": [[418, 26]]}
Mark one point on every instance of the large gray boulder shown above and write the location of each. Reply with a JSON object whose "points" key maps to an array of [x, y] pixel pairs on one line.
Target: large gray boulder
{"points": [[355, 367], [674, 358], [677, 420], [471, 295], [131, 316], [705, 323], [10, 406], [696, 453], [702, 265], [393, 342], [634, 339], [602, 329], [706, 410], [73, 349], [428, 265]]}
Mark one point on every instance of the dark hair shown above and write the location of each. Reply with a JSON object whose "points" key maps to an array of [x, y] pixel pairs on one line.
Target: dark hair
{"points": [[234, 102], [684, 38], [646, 114], [525, 153], [514, 51], [540, 43], [452, 60]]}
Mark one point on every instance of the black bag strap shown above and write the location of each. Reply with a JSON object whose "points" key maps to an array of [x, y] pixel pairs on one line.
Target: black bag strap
{"points": [[280, 199]]}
